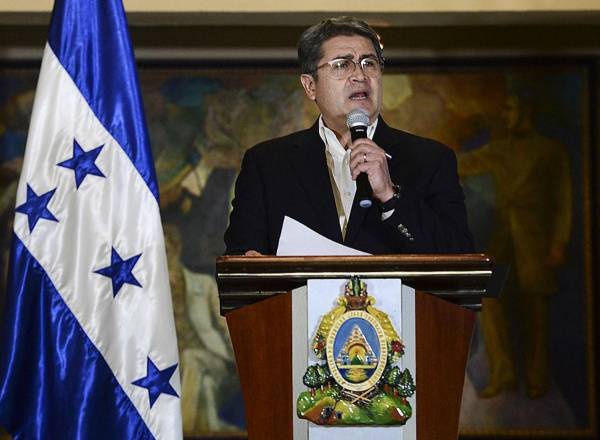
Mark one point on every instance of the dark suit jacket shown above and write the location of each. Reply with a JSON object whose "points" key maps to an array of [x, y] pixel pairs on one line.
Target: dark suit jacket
{"points": [[289, 176]]}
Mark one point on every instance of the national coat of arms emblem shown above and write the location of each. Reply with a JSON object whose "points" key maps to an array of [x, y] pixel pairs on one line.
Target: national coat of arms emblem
{"points": [[356, 381]]}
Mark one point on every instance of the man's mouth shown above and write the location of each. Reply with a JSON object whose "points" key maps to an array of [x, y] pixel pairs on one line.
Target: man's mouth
{"points": [[359, 96]]}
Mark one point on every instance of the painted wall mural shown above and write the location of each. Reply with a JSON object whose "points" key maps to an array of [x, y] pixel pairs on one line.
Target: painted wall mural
{"points": [[521, 134]]}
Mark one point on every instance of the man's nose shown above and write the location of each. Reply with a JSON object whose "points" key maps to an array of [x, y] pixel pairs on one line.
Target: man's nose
{"points": [[358, 74]]}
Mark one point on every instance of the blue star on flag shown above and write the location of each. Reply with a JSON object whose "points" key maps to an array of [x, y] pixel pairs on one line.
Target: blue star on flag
{"points": [[36, 207], [120, 271], [157, 381], [83, 163]]}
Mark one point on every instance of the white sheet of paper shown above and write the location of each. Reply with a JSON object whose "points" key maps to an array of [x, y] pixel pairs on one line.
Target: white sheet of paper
{"points": [[297, 239]]}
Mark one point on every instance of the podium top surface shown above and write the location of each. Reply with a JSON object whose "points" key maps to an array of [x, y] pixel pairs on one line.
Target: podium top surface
{"points": [[461, 278]]}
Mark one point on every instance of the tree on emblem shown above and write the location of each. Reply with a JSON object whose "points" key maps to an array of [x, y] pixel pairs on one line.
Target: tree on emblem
{"points": [[392, 380], [406, 384], [400, 382], [311, 378], [324, 375]]}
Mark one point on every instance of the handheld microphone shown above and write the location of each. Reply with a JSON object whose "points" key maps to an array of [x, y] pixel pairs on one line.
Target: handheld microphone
{"points": [[358, 121]]}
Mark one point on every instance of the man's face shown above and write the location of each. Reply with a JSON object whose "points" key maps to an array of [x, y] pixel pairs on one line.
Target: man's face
{"points": [[512, 113], [337, 97]]}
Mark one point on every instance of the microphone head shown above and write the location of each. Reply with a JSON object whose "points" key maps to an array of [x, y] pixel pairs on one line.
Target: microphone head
{"points": [[357, 118]]}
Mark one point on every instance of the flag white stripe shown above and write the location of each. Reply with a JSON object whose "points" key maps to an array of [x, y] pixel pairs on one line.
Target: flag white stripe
{"points": [[132, 326]]}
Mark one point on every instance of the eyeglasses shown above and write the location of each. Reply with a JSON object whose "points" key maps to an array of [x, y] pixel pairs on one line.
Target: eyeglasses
{"points": [[341, 68]]}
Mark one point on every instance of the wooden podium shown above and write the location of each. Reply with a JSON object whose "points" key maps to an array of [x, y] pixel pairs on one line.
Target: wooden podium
{"points": [[256, 300]]}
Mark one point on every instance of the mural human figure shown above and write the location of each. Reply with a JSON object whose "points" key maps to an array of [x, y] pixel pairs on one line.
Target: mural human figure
{"points": [[531, 233], [206, 358], [194, 204], [195, 201]]}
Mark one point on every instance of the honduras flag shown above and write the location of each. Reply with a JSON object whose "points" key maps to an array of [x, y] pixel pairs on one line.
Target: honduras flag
{"points": [[88, 348]]}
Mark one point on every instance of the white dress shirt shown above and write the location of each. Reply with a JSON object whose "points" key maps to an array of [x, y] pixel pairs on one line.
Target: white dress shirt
{"points": [[338, 163]]}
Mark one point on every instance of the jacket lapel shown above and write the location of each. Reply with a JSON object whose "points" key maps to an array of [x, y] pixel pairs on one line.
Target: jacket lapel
{"points": [[309, 163], [386, 140]]}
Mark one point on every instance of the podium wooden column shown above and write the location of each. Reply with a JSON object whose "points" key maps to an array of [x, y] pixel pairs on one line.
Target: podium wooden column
{"points": [[256, 300]]}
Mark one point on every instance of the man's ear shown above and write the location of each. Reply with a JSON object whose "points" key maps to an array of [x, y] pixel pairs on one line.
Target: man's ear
{"points": [[309, 84]]}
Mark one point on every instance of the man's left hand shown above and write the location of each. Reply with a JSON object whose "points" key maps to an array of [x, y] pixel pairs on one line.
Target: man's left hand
{"points": [[368, 157]]}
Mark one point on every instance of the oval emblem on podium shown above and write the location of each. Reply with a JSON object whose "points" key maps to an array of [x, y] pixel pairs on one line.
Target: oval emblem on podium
{"points": [[356, 350]]}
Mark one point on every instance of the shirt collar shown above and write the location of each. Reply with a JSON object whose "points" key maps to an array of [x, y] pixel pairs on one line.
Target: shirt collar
{"points": [[332, 144]]}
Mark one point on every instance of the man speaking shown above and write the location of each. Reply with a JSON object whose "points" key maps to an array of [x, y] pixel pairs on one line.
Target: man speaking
{"points": [[409, 199]]}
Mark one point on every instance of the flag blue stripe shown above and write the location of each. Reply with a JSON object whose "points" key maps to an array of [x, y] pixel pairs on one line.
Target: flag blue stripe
{"points": [[91, 41], [54, 383]]}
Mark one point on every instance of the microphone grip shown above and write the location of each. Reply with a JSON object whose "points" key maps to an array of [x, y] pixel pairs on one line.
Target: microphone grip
{"points": [[363, 187], [364, 191]]}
